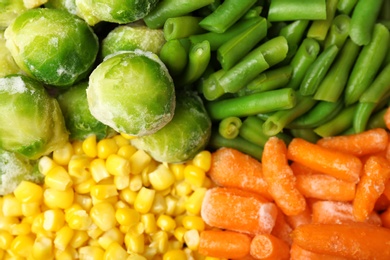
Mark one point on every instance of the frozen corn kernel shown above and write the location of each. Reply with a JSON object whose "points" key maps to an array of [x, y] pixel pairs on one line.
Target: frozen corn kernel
{"points": [[58, 178], [79, 239], [103, 191], [160, 241], [179, 233], [63, 155], [106, 147], [85, 186], [53, 219], [90, 146], [175, 254], [91, 252], [192, 238], [202, 160], [193, 222], [159, 205], [161, 178], [11, 206], [78, 147], [27, 192], [135, 182], [127, 216], [103, 215], [54, 198], [62, 237], [128, 196], [79, 220], [42, 248], [139, 161], [121, 182], [126, 151], [31, 208], [110, 236], [194, 175], [127, 136], [194, 203], [118, 165], [177, 170], [79, 166], [149, 222], [98, 170], [166, 223], [22, 245], [135, 243], [6, 239], [120, 140], [45, 164], [144, 200]]}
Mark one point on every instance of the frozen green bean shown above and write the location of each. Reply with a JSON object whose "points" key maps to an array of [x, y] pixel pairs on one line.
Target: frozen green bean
{"points": [[319, 28], [182, 27], [229, 127], [290, 10]]}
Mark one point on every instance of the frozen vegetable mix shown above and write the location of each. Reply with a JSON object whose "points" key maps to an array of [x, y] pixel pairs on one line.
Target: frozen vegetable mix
{"points": [[7, 63], [9, 10]]}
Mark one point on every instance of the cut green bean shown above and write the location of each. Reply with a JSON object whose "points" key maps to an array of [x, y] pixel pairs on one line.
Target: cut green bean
{"points": [[367, 64], [304, 57], [254, 11], [253, 104], [317, 71], [210, 89], [172, 8], [363, 20], [377, 119], [294, 32], [319, 28], [362, 115], [307, 134], [182, 27], [338, 32], [379, 87], [226, 14], [290, 10], [239, 46], [175, 56], [332, 86], [346, 6], [229, 127]]}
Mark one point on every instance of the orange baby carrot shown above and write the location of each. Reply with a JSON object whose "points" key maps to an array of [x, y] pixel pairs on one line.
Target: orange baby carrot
{"points": [[280, 178], [298, 253], [337, 164], [238, 210], [269, 247], [224, 244], [382, 203], [300, 219], [282, 229], [353, 240], [386, 191], [372, 184], [386, 117], [367, 142], [298, 169], [385, 218], [232, 168]]}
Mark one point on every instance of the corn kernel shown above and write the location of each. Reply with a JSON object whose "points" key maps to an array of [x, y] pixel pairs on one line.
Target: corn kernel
{"points": [[135, 243], [22, 245], [77, 147], [79, 239], [179, 232], [117, 165], [183, 188], [104, 191], [7, 222], [53, 219], [139, 160], [22, 228], [115, 251], [58, 178], [177, 170], [174, 244], [112, 200], [193, 222], [85, 201], [45, 164], [159, 204], [6, 239], [121, 182], [90, 146], [79, 220], [144, 200], [127, 136], [110, 236], [149, 222], [98, 170], [136, 257], [54, 198], [37, 226], [62, 155], [166, 223], [135, 182], [128, 196], [78, 166], [63, 237], [91, 252], [203, 160], [120, 140], [194, 175], [160, 241], [94, 232], [208, 183], [103, 215], [194, 203], [180, 206], [151, 253], [11, 206], [175, 254], [126, 151], [161, 178], [69, 253], [28, 191], [106, 147], [171, 202], [192, 238], [42, 248], [127, 216]]}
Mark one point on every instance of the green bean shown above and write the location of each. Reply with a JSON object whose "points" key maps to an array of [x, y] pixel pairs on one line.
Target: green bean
{"points": [[338, 124], [338, 32], [210, 89], [278, 120], [226, 14], [332, 86], [290, 10], [377, 119], [208, 9], [229, 127], [346, 6], [274, 50], [236, 48], [363, 20], [319, 28], [367, 64], [304, 57], [379, 87], [182, 27], [175, 56], [307, 134], [254, 11], [317, 71], [362, 115], [172, 8], [253, 104], [293, 33]]}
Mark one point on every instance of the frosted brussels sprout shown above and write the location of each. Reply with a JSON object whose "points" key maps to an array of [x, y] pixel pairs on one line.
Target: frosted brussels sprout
{"points": [[15, 168], [52, 46], [119, 11], [78, 119], [7, 63], [131, 37], [184, 136], [68, 5], [31, 121], [132, 92], [9, 10]]}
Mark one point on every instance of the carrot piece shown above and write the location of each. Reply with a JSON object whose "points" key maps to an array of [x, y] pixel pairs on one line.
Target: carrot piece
{"points": [[224, 244], [282, 229], [382, 203], [298, 253], [386, 118], [353, 240], [337, 164], [238, 210], [367, 142], [269, 247], [336, 212], [376, 173], [385, 218], [299, 169], [386, 191], [300, 219], [232, 168], [280, 177]]}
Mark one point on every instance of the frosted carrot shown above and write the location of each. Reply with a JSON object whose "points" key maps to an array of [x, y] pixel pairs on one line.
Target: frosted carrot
{"points": [[238, 210], [337, 164], [232, 168], [386, 191], [300, 219], [382, 203], [224, 244], [298, 253], [372, 184], [385, 218], [282, 229], [354, 240], [299, 168], [269, 247], [367, 142], [280, 178]]}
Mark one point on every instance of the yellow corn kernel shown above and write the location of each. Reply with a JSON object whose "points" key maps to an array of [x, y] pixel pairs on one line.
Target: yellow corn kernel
{"points": [[194, 202], [121, 182], [85, 186], [85, 201], [192, 238], [180, 206], [62, 155], [182, 188], [45, 164], [11, 206], [202, 160], [112, 200], [98, 170], [106, 147], [103, 191], [126, 151], [28, 191], [118, 165], [22, 228], [37, 226], [213, 258], [166, 223], [179, 232], [42, 248], [144, 200], [161, 178], [174, 244], [149, 222], [128, 196], [22, 245], [121, 204], [127, 216], [177, 170], [77, 147], [54, 198], [110, 236], [6, 239], [179, 220], [127, 136], [175, 254], [135, 243], [63, 237], [135, 182], [79, 239], [121, 140], [139, 160], [171, 202], [115, 251], [78, 166], [208, 183], [7, 222], [94, 232], [69, 253], [58, 178], [53, 219], [160, 241], [193, 222], [90, 146], [136, 257], [91, 252], [70, 210], [194, 175], [79, 220], [103, 215], [159, 205]]}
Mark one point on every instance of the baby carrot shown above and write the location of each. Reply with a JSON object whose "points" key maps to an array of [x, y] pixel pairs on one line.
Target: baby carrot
{"points": [[376, 173], [282, 229], [280, 177], [385, 218], [232, 168], [300, 219], [386, 191], [224, 244], [238, 210], [328, 161], [367, 142], [353, 240], [298, 253], [269, 247]]}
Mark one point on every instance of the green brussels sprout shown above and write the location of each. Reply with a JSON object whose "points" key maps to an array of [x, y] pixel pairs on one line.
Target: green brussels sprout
{"points": [[52, 46], [131, 37], [31, 121], [78, 119], [120, 11], [15, 168], [184, 136], [9, 10], [132, 92], [7, 63], [68, 5]]}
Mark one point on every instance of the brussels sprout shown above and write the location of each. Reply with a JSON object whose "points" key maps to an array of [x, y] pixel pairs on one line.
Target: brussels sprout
{"points": [[31, 122], [78, 119], [7, 63], [184, 136], [131, 37], [15, 168], [68, 5], [9, 10], [52, 46], [119, 11], [132, 92]]}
